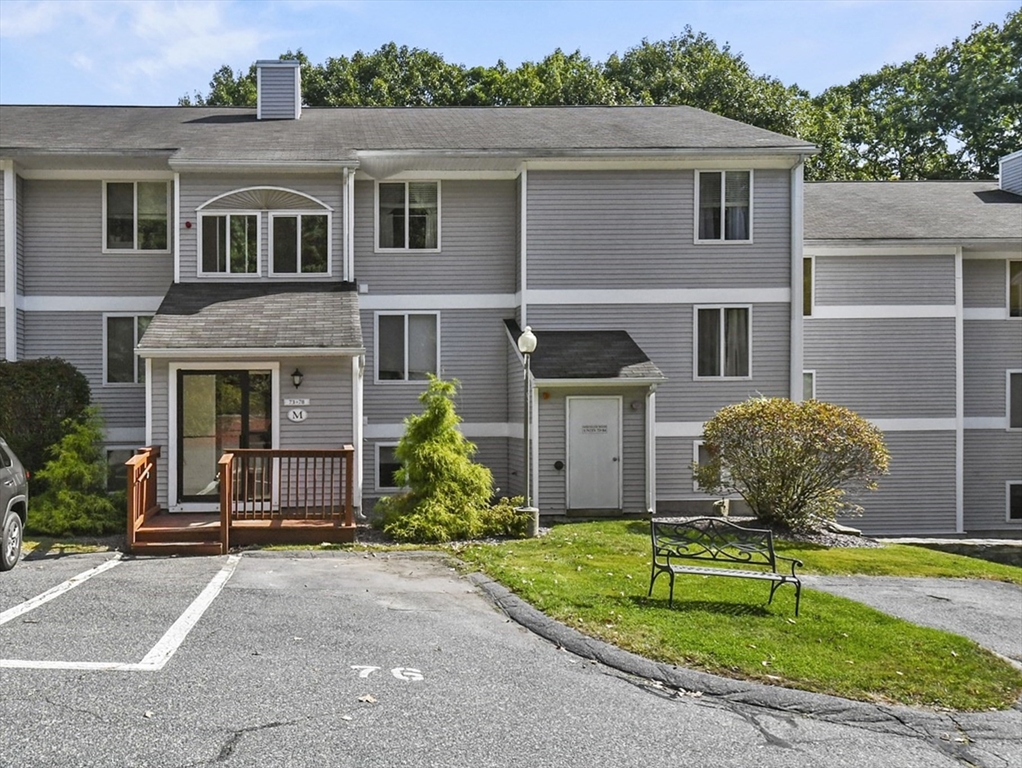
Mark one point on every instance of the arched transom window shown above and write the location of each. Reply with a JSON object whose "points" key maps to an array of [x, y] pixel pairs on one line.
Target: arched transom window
{"points": [[235, 228]]}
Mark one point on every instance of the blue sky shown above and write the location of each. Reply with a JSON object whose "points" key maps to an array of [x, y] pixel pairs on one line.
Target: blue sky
{"points": [[150, 52]]}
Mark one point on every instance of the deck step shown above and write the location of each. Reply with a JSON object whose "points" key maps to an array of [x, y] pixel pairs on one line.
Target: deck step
{"points": [[166, 548], [156, 535]]}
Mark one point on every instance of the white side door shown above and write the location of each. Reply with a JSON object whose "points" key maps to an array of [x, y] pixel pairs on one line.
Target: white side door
{"points": [[594, 452]]}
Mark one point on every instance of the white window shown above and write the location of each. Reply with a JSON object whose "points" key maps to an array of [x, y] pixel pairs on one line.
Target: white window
{"points": [[121, 335], [387, 466], [723, 342], [1014, 501], [117, 473], [724, 206], [299, 243], [1014, 404], [1015, 288], [229, 243], [701, 455], [408, 216], [808, 385], [135, 216], [407, 346]]}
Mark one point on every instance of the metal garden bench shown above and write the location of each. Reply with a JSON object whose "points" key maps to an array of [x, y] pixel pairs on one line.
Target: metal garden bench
{"points": [[717, 541]]}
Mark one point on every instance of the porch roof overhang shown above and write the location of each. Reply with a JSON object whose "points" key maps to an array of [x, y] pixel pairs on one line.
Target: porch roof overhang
{"points": [[234, 320], [588, 358]]}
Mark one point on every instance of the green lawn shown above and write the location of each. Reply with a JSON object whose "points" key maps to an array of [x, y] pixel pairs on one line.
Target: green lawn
{"points": [[594, 577]]}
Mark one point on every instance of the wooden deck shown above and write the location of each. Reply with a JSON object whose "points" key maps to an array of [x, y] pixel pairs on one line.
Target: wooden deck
{"points": [[266, 497]]}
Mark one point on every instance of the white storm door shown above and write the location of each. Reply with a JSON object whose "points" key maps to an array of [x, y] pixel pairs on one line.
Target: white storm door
{"points": [[594, 452]]}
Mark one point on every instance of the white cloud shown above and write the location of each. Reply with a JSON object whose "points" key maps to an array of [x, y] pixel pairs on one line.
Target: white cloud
{"points": [[20, 18], [83, 62]]}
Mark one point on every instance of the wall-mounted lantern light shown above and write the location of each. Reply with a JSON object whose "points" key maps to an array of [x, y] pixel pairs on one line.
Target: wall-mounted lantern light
{"points": [[296, 378]]}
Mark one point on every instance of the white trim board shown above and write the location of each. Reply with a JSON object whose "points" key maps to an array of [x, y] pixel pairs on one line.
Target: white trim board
{"points": [[645, 296], [216, 353], [916, 425], [999, 423], [139, 304], [472, 430], [880, 248], [985, 313], [679, 428], [94, 175], [437, 301], [882, 311]]}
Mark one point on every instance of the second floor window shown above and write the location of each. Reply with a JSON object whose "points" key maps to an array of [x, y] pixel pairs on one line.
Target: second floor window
{"points": [[406, 347], [299, 243], [122, 336], [725, 209], [230, 243], [136, 216], [723, 342], [408, 215]]}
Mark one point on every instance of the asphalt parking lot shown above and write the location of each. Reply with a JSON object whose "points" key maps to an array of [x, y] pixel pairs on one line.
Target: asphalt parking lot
{"points": [[337, 659]]}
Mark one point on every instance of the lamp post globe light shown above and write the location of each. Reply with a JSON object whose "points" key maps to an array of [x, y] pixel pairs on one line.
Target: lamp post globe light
{"points": [[527, 345]]}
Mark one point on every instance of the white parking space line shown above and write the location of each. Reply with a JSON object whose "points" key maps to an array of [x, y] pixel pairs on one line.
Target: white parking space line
{"points": [[160, 654], [57, 591]]}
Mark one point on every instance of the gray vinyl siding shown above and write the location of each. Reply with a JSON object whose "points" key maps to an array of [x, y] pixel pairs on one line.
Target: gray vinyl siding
{"points": [[992, 347], [918, 496], [197, 190], [552, 482], [327, 386], [19, 319], [992, 458], [477, 241], [635, 229], [3, 242], [161, 425], [984, 283], [277, 93], [665, 334], [78, 338], [62, 235], [491, 452], [515, 417], [3, 335], [1011, 175], [674, 467], [866, 280], [473, 346], [890, 368]]}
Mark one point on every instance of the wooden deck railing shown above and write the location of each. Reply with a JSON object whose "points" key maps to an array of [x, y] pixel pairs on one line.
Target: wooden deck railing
{"points": [[286, 484], [142, 478]]}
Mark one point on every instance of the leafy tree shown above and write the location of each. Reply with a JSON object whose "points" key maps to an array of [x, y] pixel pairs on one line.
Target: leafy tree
{"points": [[448, 494], [37, 397], [794, 463], [75, 500]]}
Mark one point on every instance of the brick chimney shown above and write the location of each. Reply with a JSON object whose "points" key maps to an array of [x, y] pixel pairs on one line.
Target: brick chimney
{"points": [[279, 90]]}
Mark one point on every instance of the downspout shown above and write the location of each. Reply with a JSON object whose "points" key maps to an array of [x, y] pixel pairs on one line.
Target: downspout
{"points": [[357, 420], [797, 235], [177, 229], [345, 272], [959, 396], [349, 228], [651, 450], [524, 248], [10, 262]]}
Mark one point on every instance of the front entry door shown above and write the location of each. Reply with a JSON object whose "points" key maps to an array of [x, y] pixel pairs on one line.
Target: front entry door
{"points": [[594, 452], [218, 411]]}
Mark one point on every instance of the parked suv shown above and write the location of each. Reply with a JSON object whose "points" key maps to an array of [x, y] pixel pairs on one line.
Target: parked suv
{"points": [[13, 505]]}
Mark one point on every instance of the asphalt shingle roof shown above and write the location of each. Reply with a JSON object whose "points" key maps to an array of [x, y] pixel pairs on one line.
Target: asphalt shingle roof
{"points": [[209, 134], [588, 355], [911, 210], [285, 315]]}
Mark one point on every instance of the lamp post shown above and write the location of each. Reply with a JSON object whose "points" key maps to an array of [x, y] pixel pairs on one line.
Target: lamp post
{"points": [[527, 345]]}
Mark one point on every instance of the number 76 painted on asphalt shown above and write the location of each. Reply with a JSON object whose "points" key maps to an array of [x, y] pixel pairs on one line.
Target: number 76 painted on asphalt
{"points": [[401, 673]]}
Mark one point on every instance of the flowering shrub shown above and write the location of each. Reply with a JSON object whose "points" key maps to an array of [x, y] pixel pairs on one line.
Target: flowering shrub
{"points": [[794, 463]]}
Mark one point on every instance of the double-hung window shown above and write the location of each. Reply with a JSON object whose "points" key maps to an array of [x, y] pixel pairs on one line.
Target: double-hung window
{"points": [[387, 466], [807, 287], [1015, 288], [407, 346], [135, 216], [299, 243], [723, 342], [230, 243], [408, 215], [123, 332], [724, 210]]}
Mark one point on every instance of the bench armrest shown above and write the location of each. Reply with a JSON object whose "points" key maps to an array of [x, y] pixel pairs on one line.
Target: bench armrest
{"points": [[795, 562]]}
